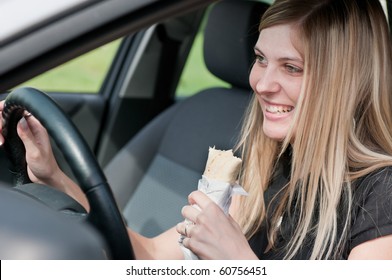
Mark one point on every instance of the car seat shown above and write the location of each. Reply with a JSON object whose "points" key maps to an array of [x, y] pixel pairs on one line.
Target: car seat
{"points": [[154, 173]]}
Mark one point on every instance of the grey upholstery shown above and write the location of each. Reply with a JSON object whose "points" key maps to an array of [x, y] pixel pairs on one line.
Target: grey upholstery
{"points": [[230, 36], [152, 176]]}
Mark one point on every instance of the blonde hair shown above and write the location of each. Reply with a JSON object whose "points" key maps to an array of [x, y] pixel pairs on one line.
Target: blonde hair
{"points": [[342, 122]]}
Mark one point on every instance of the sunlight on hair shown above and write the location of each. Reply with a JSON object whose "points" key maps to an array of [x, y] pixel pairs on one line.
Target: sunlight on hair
{"points": [[385, 8]]}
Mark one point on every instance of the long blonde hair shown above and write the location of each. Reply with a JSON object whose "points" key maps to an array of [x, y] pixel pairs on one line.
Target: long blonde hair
{"points": [[342, 122]]}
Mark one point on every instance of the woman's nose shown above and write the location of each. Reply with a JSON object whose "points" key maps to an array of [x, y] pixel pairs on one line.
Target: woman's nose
{"points": [[267, 82]]}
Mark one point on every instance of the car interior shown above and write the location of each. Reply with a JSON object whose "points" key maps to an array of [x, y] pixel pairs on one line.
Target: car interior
{"points": [[151, 145], [148, 146], [153, 164], [167, 158]]}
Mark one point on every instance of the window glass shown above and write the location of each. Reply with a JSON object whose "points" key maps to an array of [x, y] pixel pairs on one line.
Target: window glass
{"points": [[196, 76], [84, 74]]}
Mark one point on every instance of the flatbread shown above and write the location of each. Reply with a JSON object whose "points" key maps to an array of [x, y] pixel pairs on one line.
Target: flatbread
{"points": [[222, 166]]}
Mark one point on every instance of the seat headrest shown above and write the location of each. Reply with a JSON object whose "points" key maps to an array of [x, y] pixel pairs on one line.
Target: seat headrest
{"points": [[230, 35]]}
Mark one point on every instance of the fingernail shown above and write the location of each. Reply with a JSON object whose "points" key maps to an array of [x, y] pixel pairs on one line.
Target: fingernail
{"points": [[23, 124]]}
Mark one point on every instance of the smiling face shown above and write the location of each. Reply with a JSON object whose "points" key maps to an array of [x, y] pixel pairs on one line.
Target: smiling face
{"points": [[276, 78]]}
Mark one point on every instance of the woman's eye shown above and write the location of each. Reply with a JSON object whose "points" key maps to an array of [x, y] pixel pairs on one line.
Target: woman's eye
{"points": [[260, 59], [293, 69]]}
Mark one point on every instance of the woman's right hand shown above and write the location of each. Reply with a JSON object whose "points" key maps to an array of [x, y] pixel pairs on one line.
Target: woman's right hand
{"points": [[42, 166]]}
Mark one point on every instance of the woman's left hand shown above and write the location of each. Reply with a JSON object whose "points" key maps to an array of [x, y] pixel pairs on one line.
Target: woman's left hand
{"points": [[210, 233]]}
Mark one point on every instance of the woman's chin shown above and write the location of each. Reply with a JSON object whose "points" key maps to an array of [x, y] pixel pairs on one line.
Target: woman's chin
{"points": [[275, 133]]}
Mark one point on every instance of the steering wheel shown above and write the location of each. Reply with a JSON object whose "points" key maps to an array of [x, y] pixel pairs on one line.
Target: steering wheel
{"points": [[104, 214]]}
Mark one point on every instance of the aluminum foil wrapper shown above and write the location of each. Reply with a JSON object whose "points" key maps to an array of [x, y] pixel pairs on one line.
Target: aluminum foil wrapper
{"points": [[220, 192]]}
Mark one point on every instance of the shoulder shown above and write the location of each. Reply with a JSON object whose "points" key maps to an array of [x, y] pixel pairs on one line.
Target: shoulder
{"points": [[379, 174], [378, 182], [372, 206], [374, 191]]}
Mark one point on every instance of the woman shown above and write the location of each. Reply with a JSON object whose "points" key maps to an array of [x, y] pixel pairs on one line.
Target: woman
{"points": [[316, 144], [336, 124]]}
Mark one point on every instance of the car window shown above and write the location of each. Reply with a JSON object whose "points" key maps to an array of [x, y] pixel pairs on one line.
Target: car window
{"points": [[84, 74], [196, 76]]}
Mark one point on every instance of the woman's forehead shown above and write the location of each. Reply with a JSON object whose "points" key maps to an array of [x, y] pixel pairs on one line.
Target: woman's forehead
{"points": [[280, 41]]}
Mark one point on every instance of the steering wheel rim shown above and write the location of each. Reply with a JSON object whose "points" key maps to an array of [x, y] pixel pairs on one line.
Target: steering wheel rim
{"points": [[104, 214]]}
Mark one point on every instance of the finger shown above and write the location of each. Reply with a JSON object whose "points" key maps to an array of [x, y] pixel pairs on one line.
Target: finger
{"points": [[26, 135], [36, 127], [190, 213], [192, 244], [27, 115], [199, 198], [187, 243], [185, 228], [24, 129], [181, 228]]}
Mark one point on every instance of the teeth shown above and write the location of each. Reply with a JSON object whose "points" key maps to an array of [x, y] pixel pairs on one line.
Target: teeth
{"points": [[279, 109]]}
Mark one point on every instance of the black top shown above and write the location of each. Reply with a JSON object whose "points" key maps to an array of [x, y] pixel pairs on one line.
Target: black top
{"points": [[371, 214]]}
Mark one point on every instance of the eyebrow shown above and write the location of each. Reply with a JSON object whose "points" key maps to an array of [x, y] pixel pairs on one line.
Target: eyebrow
{"points": [[286, 58]]}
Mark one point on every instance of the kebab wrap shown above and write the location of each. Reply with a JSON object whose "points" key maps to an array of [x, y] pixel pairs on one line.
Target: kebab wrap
{"points": [[219, 182]]}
